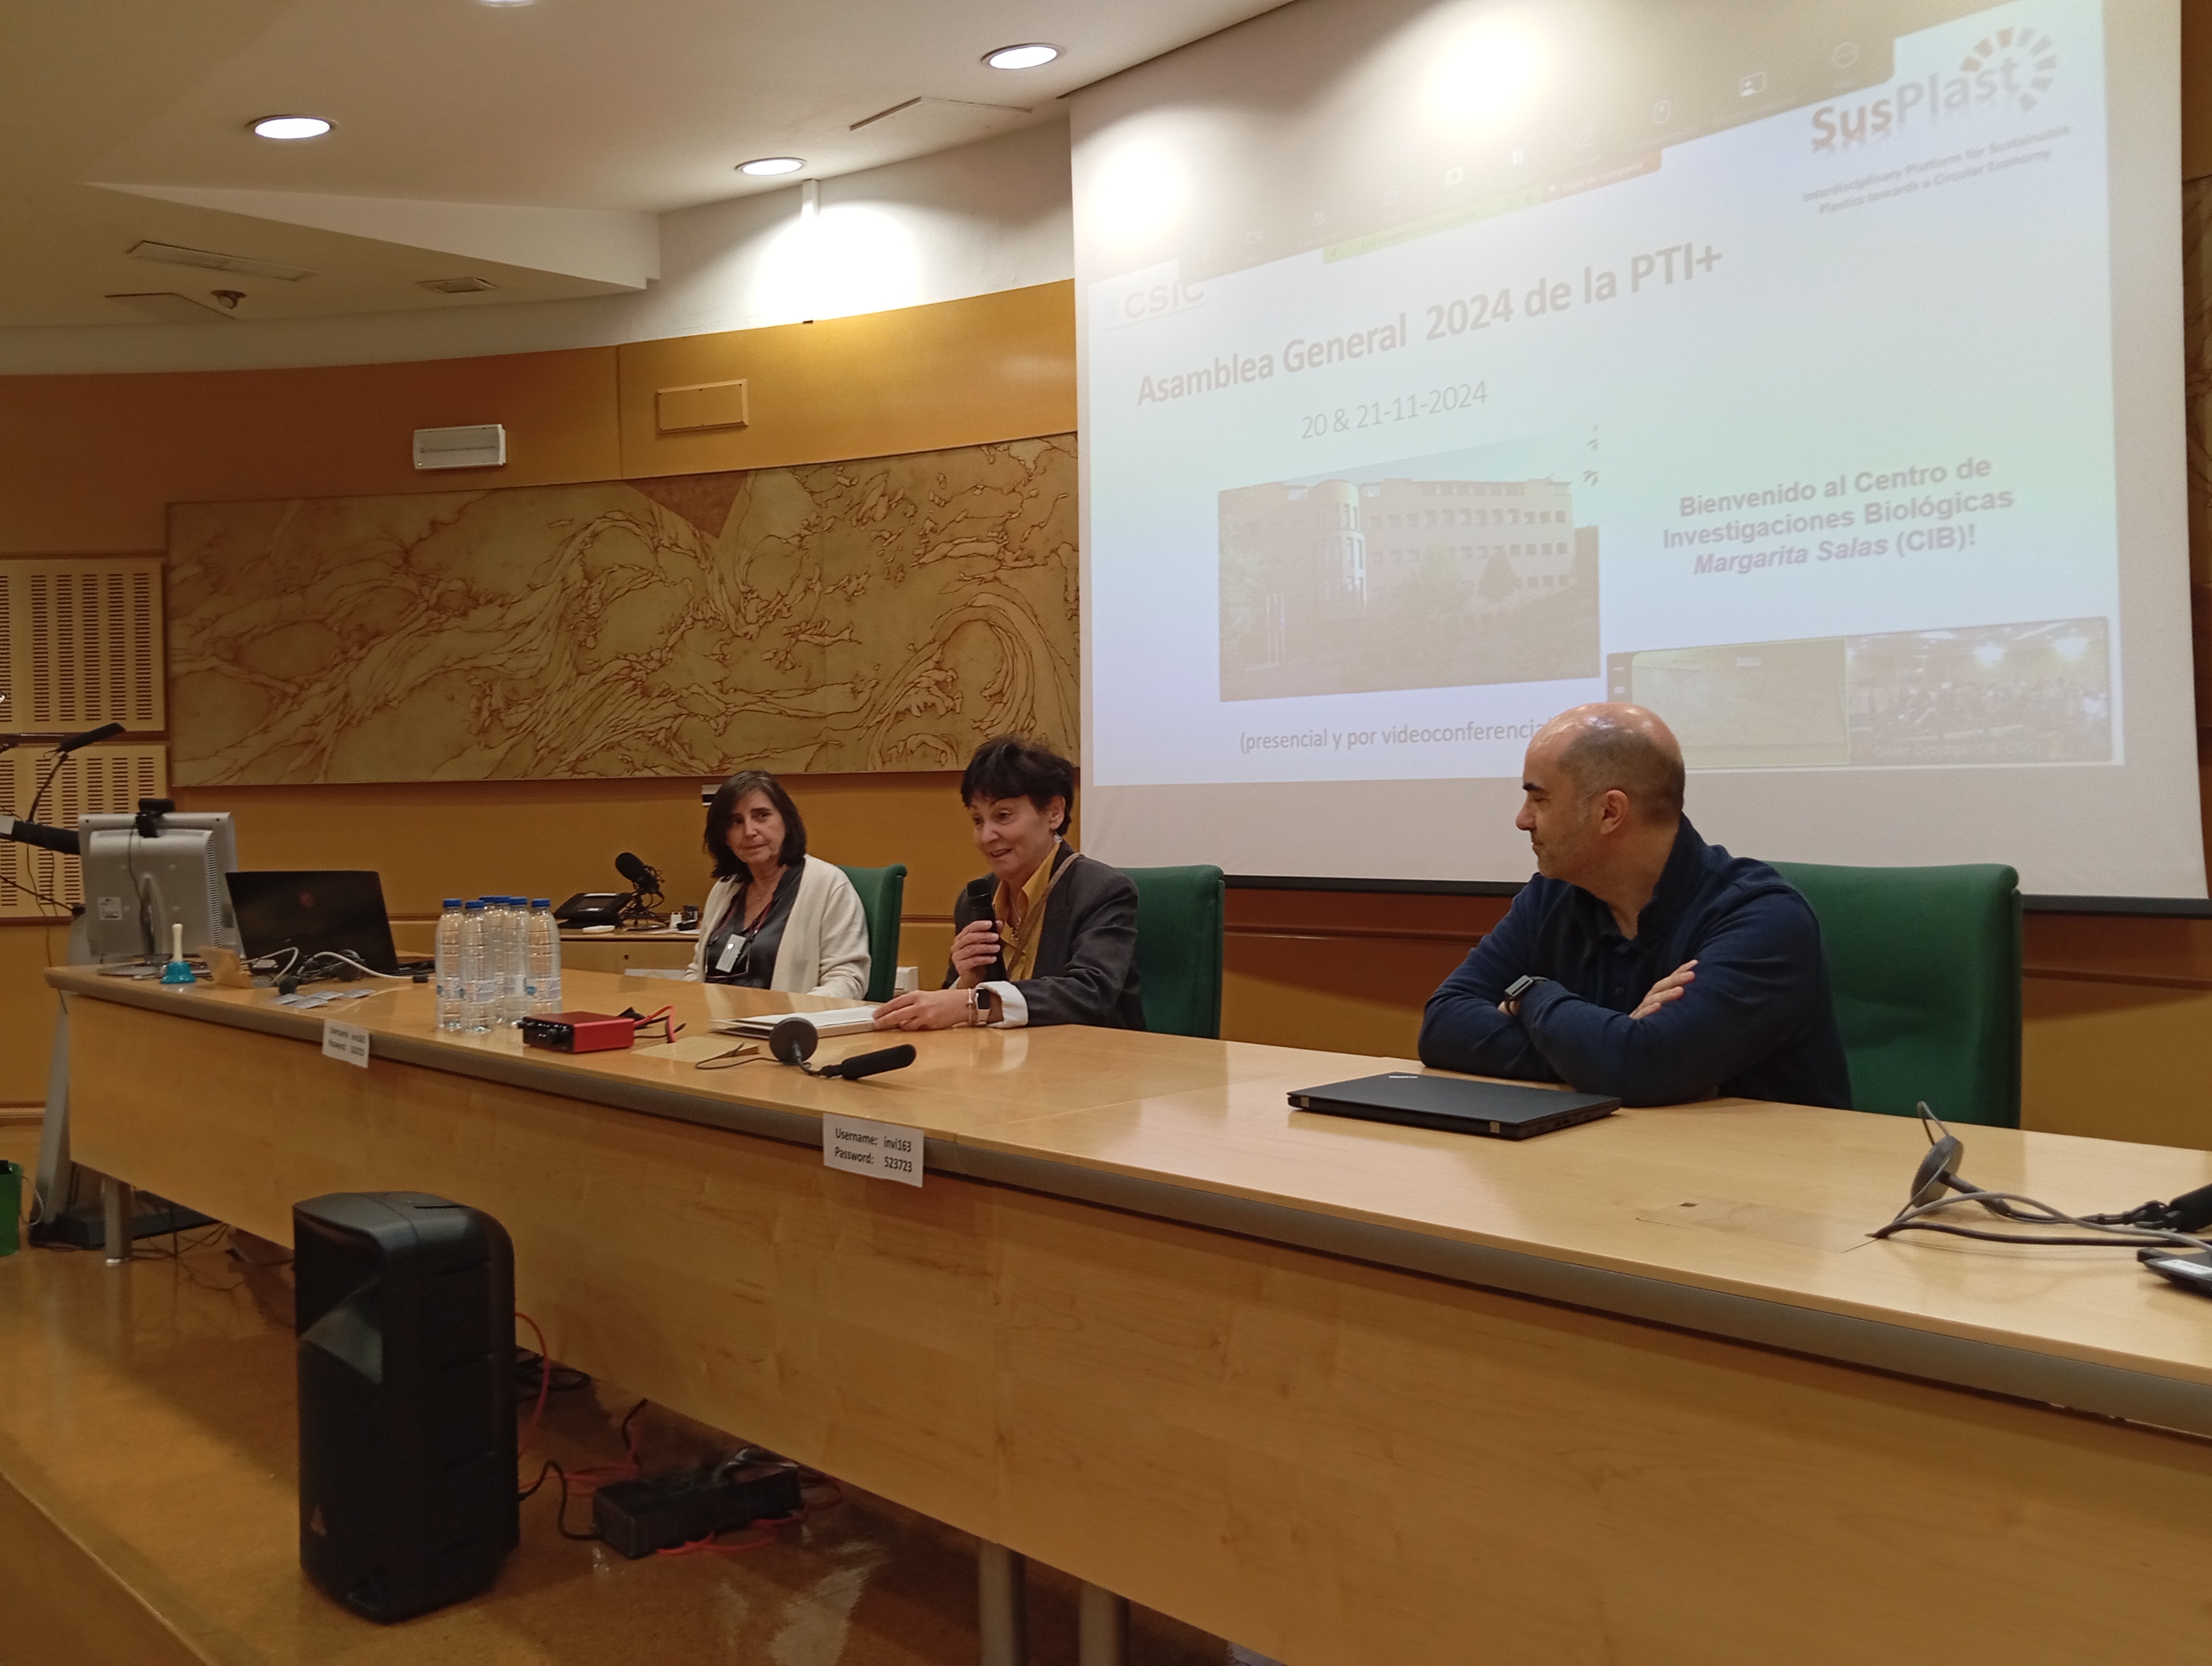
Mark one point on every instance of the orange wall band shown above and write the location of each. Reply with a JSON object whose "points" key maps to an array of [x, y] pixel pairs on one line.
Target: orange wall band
{"points": [[91, 463]]}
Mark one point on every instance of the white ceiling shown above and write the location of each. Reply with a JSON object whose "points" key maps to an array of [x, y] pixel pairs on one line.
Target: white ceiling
{"points": [[562, 122]]}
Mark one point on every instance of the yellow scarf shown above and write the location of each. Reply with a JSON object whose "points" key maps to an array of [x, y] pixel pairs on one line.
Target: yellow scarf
{"points": [[1020, 941]]}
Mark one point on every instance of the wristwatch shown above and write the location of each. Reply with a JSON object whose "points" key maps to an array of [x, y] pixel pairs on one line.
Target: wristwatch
{"points": [[980, 1003], [1520, 987]]}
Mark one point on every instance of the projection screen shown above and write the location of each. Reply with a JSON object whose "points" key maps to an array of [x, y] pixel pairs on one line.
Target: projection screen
{"points": [[1811, 373]]}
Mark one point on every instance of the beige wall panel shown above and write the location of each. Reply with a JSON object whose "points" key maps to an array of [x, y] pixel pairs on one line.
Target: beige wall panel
{"points": [[81, 643], [887, 613], [995, 367], [2117, 1061], [431, 841]]}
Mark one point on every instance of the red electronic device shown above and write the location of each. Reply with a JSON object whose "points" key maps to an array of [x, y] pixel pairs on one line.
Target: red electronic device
{"points": [[579, 1032]]}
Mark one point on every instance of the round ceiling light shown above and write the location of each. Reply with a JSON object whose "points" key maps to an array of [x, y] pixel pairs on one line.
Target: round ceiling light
{"points": [[291, 127], [762, 166], [1021, 57]]}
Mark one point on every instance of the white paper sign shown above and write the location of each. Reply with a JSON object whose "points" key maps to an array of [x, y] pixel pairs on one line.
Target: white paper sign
{"points": [[346, 1042], [883, 1150]]}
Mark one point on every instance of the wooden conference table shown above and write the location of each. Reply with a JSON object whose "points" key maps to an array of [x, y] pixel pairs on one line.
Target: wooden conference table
{"points": [[1639, 1391]]}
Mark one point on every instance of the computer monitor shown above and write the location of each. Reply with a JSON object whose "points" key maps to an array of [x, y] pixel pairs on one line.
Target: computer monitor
{"points": [[316, 911], [137, 884]]}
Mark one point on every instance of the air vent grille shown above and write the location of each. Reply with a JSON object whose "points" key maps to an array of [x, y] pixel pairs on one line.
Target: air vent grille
{"points": [[95, 780], [83, 644]]}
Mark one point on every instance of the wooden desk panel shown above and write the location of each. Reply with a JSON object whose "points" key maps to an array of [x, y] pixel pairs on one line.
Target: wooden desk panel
{"points": [[1199, 1131], [700, 1269], [1338, 1462]]}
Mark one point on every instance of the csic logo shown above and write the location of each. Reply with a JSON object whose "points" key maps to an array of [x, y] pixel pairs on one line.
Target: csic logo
{"points": [[2024, 61], [2010, 68]]}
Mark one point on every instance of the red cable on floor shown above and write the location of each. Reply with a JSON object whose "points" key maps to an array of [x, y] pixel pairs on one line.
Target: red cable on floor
{"points": [[544, 1381]]}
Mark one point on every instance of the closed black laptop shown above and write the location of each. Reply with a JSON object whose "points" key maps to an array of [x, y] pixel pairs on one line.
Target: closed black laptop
{"points": [[1494, 1109], [310, 910]]}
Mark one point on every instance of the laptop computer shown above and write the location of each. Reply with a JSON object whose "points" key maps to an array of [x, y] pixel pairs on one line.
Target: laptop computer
{"points": [[1496, 1110], [313, 911]]}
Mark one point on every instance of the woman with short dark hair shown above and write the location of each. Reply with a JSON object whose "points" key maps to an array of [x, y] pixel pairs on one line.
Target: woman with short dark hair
{"points": [[776, 918], [1048, 936]]}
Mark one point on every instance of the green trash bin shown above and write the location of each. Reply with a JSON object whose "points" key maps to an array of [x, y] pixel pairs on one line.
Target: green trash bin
{"points": [[11, 1207]]}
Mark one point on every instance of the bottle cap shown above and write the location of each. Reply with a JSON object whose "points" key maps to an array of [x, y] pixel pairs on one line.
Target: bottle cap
{"points": [[453, 902], [478, 904], [541, 901]]}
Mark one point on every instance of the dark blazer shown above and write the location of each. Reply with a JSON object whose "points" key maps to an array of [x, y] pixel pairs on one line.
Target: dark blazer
{"points": [[1086, 970]]}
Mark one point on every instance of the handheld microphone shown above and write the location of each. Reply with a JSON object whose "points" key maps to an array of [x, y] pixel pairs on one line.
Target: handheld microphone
{"points": [[89, 737], [866, 1064], [793, 1040]]}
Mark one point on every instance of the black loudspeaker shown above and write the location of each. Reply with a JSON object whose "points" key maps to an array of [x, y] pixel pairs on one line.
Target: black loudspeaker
{"points": [[406, 1320]]}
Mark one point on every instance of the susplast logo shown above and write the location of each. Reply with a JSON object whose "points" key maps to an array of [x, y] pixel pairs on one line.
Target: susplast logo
{"points": [[2012, 67]]}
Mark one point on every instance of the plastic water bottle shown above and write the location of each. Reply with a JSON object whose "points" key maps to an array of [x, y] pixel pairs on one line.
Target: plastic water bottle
{"points": [[479, 988], [544, 943], [453, 994], [509, 956]]}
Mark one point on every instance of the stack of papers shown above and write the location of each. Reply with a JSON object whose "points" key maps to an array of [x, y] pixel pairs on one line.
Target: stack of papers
{"points": [[837, 1021]]}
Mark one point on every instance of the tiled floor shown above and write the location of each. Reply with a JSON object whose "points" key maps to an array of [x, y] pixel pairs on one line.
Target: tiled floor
{"points": [[148, 1410]]}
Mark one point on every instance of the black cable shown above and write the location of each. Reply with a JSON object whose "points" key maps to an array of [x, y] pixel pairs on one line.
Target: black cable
{"points": [[52, 769], [561, 1515], [529, 1367], [33, 890]]}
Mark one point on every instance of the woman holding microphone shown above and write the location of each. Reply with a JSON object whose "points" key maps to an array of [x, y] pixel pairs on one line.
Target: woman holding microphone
{"points": [[1048, 935]]}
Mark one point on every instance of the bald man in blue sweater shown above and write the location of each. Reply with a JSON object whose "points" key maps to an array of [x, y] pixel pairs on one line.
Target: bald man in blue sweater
{"points": [[1640, 961]]}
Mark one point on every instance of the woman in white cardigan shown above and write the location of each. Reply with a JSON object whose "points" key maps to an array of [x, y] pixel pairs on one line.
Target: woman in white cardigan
{"points": [[777, 918]]}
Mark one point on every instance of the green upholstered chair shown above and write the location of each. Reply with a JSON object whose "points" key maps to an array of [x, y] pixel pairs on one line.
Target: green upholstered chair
{"points": [[883, 895], [1925, 966], [1179, 948]]}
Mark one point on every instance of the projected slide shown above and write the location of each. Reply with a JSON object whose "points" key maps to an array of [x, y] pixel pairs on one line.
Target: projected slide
{"points": [[1751, 362]]}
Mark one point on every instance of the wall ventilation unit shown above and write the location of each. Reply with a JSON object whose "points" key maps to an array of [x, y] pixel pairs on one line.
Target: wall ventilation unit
{"points": [[479, 445]]}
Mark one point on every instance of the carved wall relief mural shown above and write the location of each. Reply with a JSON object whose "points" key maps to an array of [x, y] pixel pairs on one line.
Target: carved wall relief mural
{"points": [[888, 613]]}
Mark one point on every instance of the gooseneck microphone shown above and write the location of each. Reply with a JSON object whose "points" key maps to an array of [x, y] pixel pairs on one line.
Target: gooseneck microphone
{"points": [[89, 737], [61, 840], [640, 873]]}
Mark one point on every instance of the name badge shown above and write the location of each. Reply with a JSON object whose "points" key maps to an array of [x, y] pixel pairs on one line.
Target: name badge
{"points": [[733, 948]]}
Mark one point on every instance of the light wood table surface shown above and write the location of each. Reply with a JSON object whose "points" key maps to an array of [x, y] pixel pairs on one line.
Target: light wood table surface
{"points": [[1640, 1390]]}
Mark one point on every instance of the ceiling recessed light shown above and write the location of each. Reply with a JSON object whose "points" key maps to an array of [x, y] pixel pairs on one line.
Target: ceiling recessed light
{"points": [[291, 127], [762, 165], [1021, 57]]}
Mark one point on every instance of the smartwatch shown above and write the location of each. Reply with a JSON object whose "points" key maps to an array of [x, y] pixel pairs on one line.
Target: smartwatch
{"points": [[980, 1002], [1522, 985]]}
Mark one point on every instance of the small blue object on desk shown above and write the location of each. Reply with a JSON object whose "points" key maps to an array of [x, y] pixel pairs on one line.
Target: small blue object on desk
{"points": [[179, 970]]}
